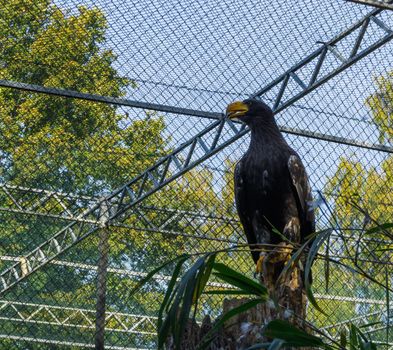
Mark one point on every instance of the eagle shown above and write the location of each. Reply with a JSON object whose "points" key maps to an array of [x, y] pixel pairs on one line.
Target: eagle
{"points": [[272, 192]]}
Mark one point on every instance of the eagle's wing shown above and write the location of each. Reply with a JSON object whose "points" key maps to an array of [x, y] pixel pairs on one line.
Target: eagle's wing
{"points": [[242, 209], [302, 191]]}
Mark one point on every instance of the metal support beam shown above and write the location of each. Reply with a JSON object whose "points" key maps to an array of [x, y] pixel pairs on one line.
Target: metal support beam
{"points": [[81, 318], [141, 218], [359, 320], [163, 217], [195, 113], [383, 4], [122, 272], [106, 99], [75, 317], [215, 137], [68, 206], [159, 277], [102, 273], [63, 343]]}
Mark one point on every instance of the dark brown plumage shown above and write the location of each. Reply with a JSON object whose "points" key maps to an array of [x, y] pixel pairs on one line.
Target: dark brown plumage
{"points": [[271, 184]]}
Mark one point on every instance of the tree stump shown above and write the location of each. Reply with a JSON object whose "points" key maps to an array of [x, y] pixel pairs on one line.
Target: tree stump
{"points": [[246, 329]]}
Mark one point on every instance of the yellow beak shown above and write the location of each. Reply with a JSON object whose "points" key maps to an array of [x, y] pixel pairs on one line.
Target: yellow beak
{"points": [[236, 109]]}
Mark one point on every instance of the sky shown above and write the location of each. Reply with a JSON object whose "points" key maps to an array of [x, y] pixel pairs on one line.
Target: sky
{"points": [[204, 54]]}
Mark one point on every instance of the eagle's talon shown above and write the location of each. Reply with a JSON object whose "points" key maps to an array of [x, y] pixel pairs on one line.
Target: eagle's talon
{"points": [[294, 280], [281, 253], [260, 264]]}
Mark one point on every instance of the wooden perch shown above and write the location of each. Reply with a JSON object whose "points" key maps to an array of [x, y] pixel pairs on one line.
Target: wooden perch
{"points": [[245, 329]]}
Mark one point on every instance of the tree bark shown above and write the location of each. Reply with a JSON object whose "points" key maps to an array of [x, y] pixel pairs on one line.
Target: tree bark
{"points": [[246, 329]]}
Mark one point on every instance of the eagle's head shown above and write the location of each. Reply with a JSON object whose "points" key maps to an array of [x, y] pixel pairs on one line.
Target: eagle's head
{"points": [[250, 111]]}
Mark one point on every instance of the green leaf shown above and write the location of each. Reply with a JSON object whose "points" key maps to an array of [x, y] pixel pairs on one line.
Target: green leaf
{"points": [[244, 286], [239, 280], [291, 262], [353, 337], [259, 346], [163, 333], [292, 335], [148, 277], [326, 264], [296, 256], [361, 334], [370, 324], [178, 301], [368, 346], [379, 228], [237, 310], [184, 297], [343, 338], [185, 309], [276, 344], [317, 243], [277, 232], [205, 276], [163, 327]]}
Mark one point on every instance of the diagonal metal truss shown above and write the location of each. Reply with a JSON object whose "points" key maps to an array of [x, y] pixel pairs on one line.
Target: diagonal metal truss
{"points": [[159, 277], [75, 317], [284, 91], [68, 206], [120, 322], [369, 323], [64, 343], [369, 318]]}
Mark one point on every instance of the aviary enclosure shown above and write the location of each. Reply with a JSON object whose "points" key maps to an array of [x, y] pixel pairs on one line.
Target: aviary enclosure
{"points": [[116, 156]]}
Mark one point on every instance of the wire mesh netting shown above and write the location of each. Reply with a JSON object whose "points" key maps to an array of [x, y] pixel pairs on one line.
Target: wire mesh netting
{"points": [[114, 149]]}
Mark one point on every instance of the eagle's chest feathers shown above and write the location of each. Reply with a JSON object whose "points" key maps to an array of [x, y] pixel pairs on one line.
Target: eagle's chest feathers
{"points": [[265, 176]]}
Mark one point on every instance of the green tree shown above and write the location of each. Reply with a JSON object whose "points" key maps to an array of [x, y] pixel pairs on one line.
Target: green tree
{"points": [[362, 196], [61, 144], [367, 187], [84, 148]]}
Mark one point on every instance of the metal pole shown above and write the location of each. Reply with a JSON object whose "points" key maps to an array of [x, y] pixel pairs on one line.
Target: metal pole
{"points": [[388, 309], [383, 4], [102, 273]]}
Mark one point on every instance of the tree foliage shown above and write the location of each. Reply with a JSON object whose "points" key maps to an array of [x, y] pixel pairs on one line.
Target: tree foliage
{"points": [[68, 144], [381, 104], [85, 148], [355, 182]]}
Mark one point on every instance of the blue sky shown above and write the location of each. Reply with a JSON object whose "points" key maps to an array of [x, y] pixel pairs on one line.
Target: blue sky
{"points": [[205, 54]]}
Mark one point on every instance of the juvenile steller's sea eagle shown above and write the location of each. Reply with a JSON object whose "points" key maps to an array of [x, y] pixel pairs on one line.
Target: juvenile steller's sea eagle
{"points": [[271, 187]]}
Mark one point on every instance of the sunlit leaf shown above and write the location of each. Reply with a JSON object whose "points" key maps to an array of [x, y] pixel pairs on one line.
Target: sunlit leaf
{"points": [[238, 280]]}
